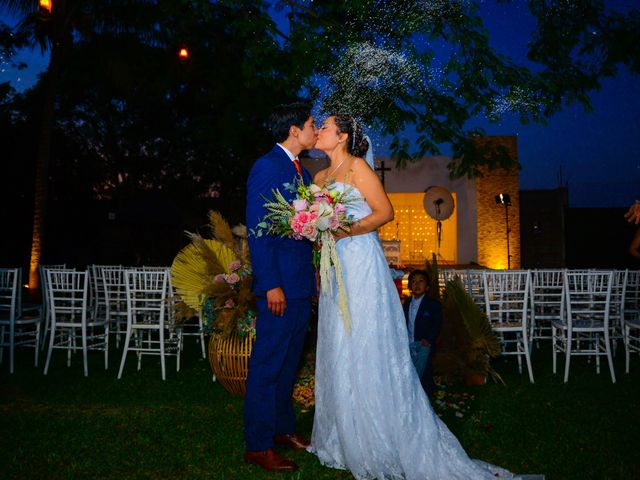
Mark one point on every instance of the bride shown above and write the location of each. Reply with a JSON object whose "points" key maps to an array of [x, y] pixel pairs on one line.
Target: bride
{"points": [[372, 416]]}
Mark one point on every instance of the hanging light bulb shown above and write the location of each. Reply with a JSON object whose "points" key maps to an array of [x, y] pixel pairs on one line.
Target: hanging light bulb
{"points": [[45, 6], [183, 54]]}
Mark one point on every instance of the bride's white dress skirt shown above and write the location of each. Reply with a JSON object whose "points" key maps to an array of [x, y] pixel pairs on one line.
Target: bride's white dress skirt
{"points": [[372, 416]]}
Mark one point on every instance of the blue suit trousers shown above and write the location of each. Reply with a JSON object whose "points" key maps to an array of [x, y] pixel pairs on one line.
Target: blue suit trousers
{"points": [[268, 407]]}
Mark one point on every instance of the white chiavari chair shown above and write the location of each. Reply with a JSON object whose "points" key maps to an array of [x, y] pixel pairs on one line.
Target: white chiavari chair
{"points": [[16, 329], [68, 293], [150, 330], [46, 314], [584, 330], [474, 281], [547, 295], [631, 316], [507, 305], [616, 307], [115, 299], [96, 294]]}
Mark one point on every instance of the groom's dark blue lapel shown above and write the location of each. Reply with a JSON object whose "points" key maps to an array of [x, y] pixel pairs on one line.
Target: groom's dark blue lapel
{"points": [[284, 158]]}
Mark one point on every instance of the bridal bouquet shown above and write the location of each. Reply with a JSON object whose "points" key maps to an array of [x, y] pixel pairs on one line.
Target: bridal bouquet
{"points": [[315, 214]]}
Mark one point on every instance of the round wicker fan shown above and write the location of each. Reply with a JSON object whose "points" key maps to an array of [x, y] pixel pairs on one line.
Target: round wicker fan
{"points": [[189, 270]]}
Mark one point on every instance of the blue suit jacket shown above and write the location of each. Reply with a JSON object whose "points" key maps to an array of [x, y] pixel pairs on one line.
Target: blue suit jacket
{"points": [[276, 261], [428, 319]]}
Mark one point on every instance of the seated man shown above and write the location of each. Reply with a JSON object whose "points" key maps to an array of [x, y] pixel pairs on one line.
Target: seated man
{"points": [[424, 319]]}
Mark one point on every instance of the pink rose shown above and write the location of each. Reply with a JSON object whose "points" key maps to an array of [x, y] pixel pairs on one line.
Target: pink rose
{"points": [[219, 278], [295, 225], [334, 222], [300, 205], [303, 217], [235, 265], [309, 231], [339, 208], [233, 278], [230, 303]]}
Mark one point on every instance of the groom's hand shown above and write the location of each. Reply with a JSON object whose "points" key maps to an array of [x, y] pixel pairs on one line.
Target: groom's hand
{"points": [[276, 303]]}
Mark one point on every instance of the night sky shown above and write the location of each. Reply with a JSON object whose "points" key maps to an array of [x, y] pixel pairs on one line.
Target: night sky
{"points": [[598, 152]]}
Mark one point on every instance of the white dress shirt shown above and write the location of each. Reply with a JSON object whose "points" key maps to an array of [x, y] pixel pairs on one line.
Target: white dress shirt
{"points": [[289, 154], [413, 311]]}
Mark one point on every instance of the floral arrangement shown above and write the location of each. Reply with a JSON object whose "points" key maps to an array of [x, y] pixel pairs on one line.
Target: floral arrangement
{"points": [[213, 276], [315, 214], [458, 403], [304, 388]]}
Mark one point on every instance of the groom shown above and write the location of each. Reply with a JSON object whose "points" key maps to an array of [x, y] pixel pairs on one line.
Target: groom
{"points": [[283, 281]]}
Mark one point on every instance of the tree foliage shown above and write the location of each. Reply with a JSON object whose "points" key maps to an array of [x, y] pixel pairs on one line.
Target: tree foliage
{"points": [[428, 66], [130, 117]]}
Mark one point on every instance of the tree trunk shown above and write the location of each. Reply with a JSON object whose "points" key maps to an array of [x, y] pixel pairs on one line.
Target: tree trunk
{"points": [[42, 170]]}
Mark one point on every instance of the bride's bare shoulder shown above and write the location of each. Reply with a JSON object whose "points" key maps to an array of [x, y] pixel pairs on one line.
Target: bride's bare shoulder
{"points": [[360, 165]]}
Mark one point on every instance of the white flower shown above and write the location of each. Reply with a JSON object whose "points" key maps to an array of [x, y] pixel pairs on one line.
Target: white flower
{"points": [[323, 223]]}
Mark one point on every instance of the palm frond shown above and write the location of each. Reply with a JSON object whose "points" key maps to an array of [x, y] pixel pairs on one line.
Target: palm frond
{"points": [[221, 230]]}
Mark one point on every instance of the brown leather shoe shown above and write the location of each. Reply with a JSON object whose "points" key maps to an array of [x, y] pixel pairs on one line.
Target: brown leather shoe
{"points": [[270, 460], [293, 440]]}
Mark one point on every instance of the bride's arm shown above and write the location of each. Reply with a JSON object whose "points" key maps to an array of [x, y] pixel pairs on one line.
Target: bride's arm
{"points": [[367, 181]]}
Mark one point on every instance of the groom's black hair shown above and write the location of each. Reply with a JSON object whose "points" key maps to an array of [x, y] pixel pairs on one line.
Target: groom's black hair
{"points": [[284, 116]]}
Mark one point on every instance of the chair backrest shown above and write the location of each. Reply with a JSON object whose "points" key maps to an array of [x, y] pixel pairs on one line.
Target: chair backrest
{"points": [[618, 291], [115, 291], [97, 293], [147, 293], [9, 284], [547, 292], [42, 269], [68, 293], [474, 281], [507, 296], [632, 295], [588, 297]]}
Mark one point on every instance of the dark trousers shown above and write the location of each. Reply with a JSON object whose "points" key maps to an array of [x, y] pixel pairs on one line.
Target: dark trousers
{"points": [[426, 379], [268, 406]]}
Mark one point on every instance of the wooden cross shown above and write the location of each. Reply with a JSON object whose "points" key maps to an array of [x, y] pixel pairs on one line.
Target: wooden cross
{"points": [[382, 169]]}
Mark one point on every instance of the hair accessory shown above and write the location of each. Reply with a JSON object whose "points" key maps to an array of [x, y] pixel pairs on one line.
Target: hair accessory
{"points": [[354, 126]]}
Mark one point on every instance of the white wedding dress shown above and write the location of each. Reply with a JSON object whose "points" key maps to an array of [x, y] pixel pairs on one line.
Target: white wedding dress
{"points": [[371, 415]]}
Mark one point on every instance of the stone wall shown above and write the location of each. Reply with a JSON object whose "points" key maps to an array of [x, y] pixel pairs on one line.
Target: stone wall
{"points": [[491, 217]]}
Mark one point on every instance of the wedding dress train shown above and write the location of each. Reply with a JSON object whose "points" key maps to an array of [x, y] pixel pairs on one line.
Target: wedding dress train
{"points": [[372, 416]]}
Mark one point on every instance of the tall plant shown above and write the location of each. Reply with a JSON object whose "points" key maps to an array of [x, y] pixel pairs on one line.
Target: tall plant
{"points": [[466, 343]]}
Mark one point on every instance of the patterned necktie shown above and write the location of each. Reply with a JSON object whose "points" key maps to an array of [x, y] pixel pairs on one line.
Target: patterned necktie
{"points": [[296, 162]]}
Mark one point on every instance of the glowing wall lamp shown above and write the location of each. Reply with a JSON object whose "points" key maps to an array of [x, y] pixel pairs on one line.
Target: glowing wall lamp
{"points": [[505, 199]]}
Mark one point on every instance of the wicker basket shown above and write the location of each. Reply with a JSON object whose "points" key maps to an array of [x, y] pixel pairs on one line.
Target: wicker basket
{"points": [[229, 359]]}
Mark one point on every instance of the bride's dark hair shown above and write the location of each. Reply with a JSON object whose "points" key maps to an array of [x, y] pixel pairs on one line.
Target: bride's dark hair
{"points": [[357, 145]]}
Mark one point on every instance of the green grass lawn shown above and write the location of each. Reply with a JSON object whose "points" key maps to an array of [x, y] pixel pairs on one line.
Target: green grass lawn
{"points": [[66, 426]]}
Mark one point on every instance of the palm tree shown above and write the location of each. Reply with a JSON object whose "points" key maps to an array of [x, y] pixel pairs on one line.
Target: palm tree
{"points": [[52, 24], [48, 28]]}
